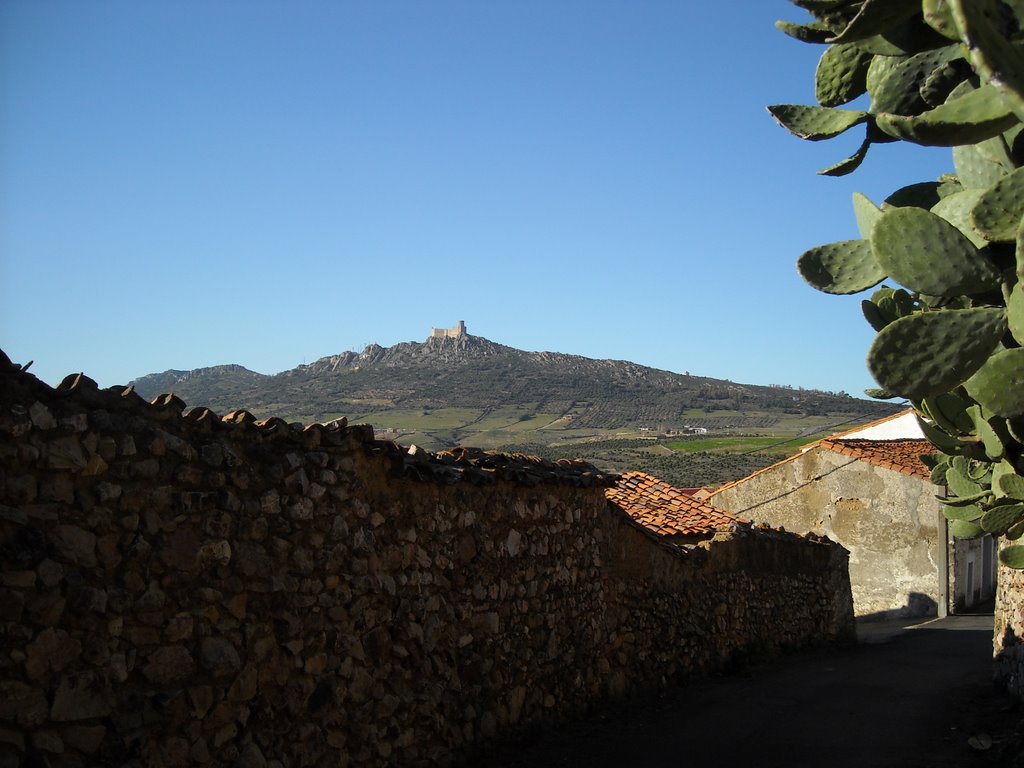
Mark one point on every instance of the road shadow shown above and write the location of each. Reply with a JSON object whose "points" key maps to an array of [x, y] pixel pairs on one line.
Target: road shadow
{"points": [[912, 700]]}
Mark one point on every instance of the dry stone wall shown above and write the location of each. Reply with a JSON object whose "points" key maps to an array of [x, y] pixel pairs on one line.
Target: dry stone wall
{"points": [[193, 590], [1008, 637]]}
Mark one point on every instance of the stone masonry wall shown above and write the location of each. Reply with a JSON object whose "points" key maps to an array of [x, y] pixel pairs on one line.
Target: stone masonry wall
{"points": [[1008, 637], [179, 590]]}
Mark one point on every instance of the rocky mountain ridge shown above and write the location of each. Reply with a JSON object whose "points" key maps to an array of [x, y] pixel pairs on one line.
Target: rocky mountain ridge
{"points": [[474, 372]]}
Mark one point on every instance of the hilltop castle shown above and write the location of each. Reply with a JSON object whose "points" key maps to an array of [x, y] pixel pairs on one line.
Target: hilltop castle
{"points": [[455, 332]]}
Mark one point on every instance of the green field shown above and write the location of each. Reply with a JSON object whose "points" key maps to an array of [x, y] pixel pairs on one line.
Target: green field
{"points": [[739, 444], [419, 418]]}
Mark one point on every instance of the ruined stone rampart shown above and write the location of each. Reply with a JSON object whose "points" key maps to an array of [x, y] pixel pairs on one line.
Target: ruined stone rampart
{"points": [[181, 590]]}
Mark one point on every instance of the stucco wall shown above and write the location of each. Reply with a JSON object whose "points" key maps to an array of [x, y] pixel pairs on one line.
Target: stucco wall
{"points": [[888, 521], [178, 591], [902, 427], [974, 563]]}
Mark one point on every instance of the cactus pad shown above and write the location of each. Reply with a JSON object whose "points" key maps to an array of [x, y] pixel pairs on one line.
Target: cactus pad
{"points": [[950, 412], [960, 484], [1009, 485], [970, 513], [994, 56], [1015, 312], [941, 82], [939, 17], [841, 74], [998, 385], [938, 473], [998, 519], [965, 119], [899, 91], [848, 165], [1019, 252], [815, 123], [924, 194], [875, 317], [975, 169], [815, 32], [999, 210], [867, 214], [931, 352], [1012, 557], [907, 241], [990, 439], [875, 17], [845, 267], [962, 529], [956, 209]]}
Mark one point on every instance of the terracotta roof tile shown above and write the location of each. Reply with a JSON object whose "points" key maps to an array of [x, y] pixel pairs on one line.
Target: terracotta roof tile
{"points": [[664, 509], [899, 455]]}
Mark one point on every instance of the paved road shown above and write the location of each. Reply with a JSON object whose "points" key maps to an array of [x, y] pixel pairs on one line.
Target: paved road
{"points": [[906, 698]]}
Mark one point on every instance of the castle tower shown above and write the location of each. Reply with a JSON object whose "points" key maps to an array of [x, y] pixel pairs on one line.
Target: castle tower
{"points": [[455, 332]]}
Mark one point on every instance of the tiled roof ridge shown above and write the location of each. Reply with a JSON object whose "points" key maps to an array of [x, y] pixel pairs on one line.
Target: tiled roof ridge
{"points": [[471, 464], [665, 509], [729, 525], [902, 455]]}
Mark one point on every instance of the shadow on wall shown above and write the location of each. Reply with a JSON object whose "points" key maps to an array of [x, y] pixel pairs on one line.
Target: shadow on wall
{"points": [[918, 605], [1009, 663]]}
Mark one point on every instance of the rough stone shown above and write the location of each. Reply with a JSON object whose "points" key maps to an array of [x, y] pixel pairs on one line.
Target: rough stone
{"points": [[48, 741], [50, 572], [82, 696], [51, 651], [12, 605], [24, 704], [218, 657], [75, 544], [85, 738], [214, 553], [41, 417], [246, 684], [66, 453], [168, 665], [251, 757]]}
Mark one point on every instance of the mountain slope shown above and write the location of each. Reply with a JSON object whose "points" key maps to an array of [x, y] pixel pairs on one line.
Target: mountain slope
{"points": [[470, 372]]}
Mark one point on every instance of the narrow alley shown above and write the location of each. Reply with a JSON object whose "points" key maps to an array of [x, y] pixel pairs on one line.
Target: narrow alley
{"points": [[905, 696]]}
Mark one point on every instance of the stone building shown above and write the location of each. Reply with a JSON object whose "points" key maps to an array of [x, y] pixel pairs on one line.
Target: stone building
{"points": [[869, 490], [457, 331]]}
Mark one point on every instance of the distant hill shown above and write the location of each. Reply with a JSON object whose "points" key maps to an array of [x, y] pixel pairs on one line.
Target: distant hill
{"points": [[470, 372], [468, 390]]}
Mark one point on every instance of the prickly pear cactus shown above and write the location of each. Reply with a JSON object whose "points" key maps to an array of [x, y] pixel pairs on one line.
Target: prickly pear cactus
{"points": [[946, 73]]}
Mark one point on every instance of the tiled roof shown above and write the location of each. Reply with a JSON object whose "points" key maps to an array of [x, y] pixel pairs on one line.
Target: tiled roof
{"points": [[664, 509], [899, 455]]}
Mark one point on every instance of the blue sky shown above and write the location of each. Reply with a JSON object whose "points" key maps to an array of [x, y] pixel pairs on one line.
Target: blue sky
{"points": [[185, 184]]}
